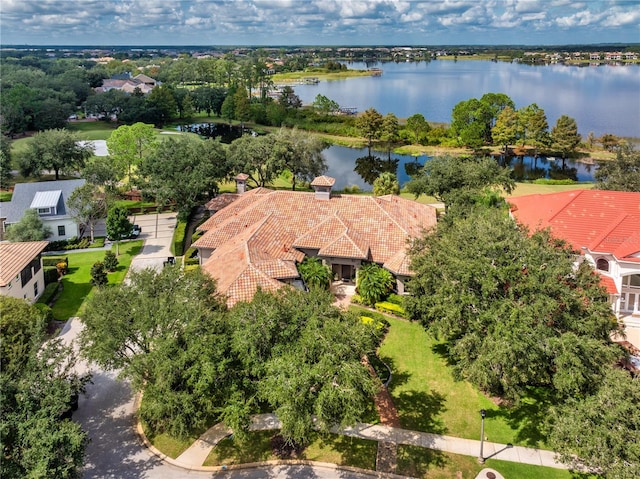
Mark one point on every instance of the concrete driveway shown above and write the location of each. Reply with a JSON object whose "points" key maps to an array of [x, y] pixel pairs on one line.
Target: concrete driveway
{"points": [[157, 233]]}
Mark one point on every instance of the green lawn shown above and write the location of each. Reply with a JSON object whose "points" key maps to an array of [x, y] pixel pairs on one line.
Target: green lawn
{"points": [[5, 195], [93, 130], [426, 463], [77, 282], [341, 450], [429, 399]]}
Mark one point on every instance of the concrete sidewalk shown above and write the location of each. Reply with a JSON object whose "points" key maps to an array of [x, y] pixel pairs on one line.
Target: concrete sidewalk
{"points": [[196, 454]]}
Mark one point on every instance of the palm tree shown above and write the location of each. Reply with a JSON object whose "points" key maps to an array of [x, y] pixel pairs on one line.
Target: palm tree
{"points": [[373, 283], [314, 273]]}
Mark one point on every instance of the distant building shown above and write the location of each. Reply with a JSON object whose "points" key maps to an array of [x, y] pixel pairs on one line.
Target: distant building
{"points": [[128, 84]]}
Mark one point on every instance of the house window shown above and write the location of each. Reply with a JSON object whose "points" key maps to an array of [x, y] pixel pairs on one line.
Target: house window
{"points": [[602, 264], [26, 275], [632, 280], [61, 231], [44, 211], [35, 289]]}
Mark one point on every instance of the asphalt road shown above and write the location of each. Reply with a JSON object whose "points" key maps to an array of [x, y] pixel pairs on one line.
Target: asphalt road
{"points": [[106, 410]]}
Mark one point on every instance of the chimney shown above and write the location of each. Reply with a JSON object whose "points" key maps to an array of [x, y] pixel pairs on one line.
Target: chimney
{"points": [[241, 183], [322, 186]]}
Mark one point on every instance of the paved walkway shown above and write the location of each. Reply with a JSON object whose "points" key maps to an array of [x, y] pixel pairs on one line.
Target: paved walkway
{"points": [[196, 454]]}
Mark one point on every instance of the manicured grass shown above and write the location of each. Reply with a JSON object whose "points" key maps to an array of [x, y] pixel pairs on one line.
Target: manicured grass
{"points": [[5, 195], [336, 449], [429, 399], [93, 130], [77, 282], [426, 463], [170, 445], [523, 189]]}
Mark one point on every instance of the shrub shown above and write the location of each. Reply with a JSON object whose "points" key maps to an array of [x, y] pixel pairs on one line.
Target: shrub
{"points": [[395, 299], [387, 307], [98, 274], [548, 181], [177, 247], [192, 261], [97, 242], [373, 283], [62, 268], [56, 245], [51, 274], [315, 273], [46, 311], [110, 261], [357, 299], [49, 293]]}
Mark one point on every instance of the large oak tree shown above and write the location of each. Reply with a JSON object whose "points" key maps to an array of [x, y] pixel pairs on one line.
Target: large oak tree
{"points": [[511, 308]]}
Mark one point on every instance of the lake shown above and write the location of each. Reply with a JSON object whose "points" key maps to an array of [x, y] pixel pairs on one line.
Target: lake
{"points": [[602, 99], [350, 167]]}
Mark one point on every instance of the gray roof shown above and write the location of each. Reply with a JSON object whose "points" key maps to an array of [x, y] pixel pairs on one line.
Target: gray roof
{"points": [[25, 194]]}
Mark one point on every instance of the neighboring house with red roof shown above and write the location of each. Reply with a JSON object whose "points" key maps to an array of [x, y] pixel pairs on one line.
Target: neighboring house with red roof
{"points": [[21, 274], [604, 226], [257, 239]]}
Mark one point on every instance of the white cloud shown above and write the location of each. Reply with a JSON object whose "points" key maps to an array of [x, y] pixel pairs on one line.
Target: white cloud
{"points": [[313, 21]]}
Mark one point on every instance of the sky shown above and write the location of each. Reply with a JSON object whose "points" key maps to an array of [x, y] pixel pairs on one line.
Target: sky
{"points": [[318, 22]]}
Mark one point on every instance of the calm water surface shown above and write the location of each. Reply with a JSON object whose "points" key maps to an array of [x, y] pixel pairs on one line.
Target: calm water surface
{"points": [[342, 163], [602, 99]]}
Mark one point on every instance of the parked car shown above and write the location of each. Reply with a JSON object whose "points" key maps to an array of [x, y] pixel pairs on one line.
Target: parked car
{"points": [[135, 232]]}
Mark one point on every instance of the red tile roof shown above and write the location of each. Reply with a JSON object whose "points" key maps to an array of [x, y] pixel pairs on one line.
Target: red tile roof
{"points": [[609, 284], [258, 238], [602, 221]]}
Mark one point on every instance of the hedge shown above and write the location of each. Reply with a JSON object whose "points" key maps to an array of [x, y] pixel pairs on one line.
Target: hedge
{"points": [[387, 307], [50, 274], [192, 261], [49, 293], [54, 260], [177, 246]]}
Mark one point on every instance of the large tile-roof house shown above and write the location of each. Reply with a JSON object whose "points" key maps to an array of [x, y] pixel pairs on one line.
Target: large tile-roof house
{"points": [[256, 240], [604, 226], [128, 84], [49, 199], [21, 274]]}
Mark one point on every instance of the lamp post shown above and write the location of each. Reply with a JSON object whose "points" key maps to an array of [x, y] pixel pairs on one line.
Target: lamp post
{"points": [[483, 413]]}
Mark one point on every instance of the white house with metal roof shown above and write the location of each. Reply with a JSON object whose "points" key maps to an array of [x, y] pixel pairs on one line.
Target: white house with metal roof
{"points": [[49, 199]]}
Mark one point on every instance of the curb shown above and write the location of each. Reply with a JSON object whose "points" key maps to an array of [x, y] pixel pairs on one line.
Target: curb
{"points": [[250, 465]]}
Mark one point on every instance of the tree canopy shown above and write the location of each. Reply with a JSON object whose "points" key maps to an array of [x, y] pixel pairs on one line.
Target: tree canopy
{"points": [[58, 150], [87, 206], [37, 383], [29, 228], [460, 181], [621, 174], [183, 170], [602, 431], [253, 156], [300, 153], [511, 308], [370, 125], [564, 135], [118, 225], [128, 145]]}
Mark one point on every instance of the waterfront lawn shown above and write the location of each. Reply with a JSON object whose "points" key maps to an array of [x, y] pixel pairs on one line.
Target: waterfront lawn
{"points": [[523, 189], [77, 282], [333, 448], [427, 463], [428, 398]]}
